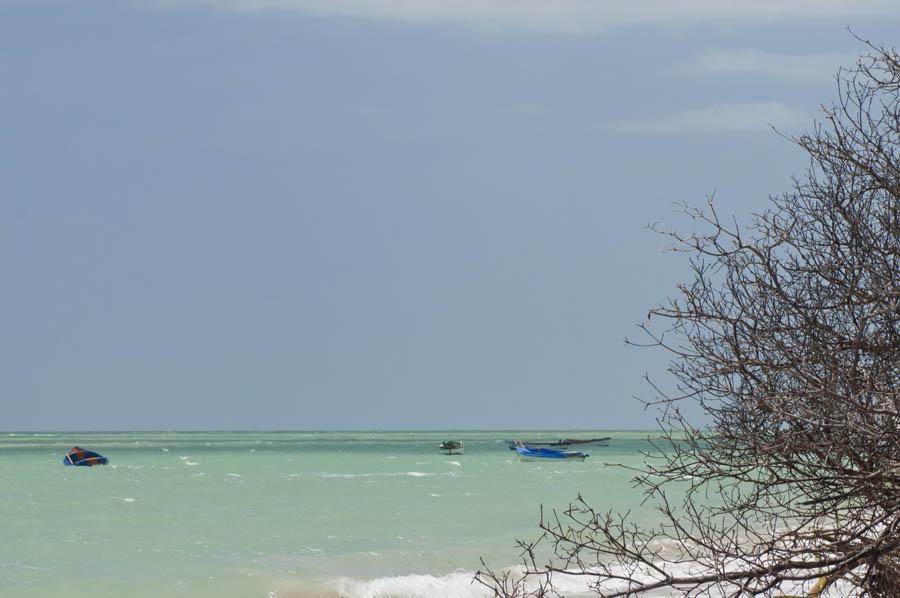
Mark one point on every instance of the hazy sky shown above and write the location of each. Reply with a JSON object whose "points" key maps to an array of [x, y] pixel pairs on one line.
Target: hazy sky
{"points": [[327, 214]]}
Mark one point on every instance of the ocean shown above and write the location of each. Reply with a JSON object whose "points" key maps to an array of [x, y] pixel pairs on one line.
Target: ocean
{"points": [[285, 514]]}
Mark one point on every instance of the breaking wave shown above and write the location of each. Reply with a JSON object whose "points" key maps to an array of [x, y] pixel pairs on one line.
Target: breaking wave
{"points": [[462, 584], [454, 585]]}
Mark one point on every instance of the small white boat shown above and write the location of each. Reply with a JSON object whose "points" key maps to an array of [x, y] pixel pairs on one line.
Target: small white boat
{"points": [[453, 447]]}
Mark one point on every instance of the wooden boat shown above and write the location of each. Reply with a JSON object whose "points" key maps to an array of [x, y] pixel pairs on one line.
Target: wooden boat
{"points": [[533, 453], [595, 441], [562, 443], [453, 447]]}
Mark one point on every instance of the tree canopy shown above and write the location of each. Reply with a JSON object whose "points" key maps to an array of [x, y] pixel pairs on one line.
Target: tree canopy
{"points": [[787, 335]]}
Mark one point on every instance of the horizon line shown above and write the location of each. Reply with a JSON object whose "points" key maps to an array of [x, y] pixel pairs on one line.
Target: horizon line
{"points": [[325, 431]]}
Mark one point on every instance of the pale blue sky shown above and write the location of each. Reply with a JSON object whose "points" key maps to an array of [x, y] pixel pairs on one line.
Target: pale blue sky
{"points": [[316, 214]]}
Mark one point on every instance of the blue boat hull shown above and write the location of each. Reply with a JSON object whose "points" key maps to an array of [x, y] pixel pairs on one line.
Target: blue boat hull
{"points": [[78, 457], [539, 454]]}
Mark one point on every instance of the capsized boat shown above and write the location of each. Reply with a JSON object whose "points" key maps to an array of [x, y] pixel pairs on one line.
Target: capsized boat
{"points": [[453, 447], [534, 453], [562, 443], [83, 458]]}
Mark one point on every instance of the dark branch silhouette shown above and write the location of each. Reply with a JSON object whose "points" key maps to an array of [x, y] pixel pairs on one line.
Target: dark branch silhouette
{"points": [[787, 335]]}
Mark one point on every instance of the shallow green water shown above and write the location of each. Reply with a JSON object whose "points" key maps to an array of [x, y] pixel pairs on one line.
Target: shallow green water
{"points": [[281, 514]]}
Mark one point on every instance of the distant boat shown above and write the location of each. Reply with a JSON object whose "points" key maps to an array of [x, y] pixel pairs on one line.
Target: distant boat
{"points": [[453, 447], [562, 443], [80, 457], [531, 453]]}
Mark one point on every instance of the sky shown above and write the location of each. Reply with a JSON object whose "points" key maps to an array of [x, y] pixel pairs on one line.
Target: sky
{"points": [[348, 214]]}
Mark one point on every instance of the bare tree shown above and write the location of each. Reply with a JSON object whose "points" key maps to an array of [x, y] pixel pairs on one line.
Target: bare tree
{"points": [[788, 338]]}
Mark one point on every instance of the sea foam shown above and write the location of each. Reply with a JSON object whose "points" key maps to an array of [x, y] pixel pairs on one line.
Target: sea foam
{"points": [[454, 585], [462, 584]]}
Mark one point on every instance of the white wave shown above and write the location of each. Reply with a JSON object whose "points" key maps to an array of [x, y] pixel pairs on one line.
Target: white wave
{"points": [[454, 585], [25, 566], [576, 585], [123, 498], [461, 585], [456, 463], [351, 476]]}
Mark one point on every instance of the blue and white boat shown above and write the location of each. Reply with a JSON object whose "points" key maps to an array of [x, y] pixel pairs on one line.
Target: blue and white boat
{"points": [[533, 453]]}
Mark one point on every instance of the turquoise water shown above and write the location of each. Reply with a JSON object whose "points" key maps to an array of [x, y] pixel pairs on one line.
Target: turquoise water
{"points": [[282, 515]]}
